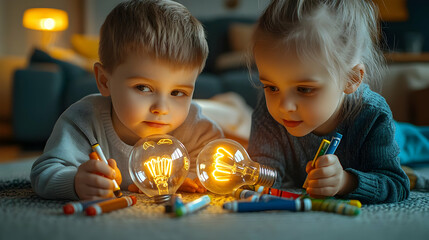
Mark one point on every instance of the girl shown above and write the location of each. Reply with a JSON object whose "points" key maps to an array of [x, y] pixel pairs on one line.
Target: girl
{"points": [[315, 60]]}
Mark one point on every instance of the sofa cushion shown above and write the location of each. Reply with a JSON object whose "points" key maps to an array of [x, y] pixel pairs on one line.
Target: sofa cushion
{"points": [[240, 36], [207, 86], [86, 45], [81, 87], [217, 37], [239, 81], [36, 106], [71, 71]]}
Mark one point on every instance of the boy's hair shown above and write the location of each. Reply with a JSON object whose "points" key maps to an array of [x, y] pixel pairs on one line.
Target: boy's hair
{"points": [[162, 29], [335, 33]]}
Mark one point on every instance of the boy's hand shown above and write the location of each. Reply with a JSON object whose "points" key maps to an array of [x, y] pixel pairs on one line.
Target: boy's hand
{"points": [[328, 178], [93, 179], [118, 175], [192, 186]]}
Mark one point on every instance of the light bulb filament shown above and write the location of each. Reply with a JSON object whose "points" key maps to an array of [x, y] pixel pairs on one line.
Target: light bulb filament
{"points": [[160, 170], [165, 141], [223, 170], [148, 144]]}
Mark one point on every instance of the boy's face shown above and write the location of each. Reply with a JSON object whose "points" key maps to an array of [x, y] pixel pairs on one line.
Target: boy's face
{"points": [[148, 97], [301, 97]]}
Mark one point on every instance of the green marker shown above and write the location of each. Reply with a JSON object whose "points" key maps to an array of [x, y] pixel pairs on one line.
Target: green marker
{"points": [[193, 206]]}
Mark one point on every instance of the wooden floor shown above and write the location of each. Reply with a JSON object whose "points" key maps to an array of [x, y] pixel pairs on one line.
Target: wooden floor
{"points": [[14, 152]]}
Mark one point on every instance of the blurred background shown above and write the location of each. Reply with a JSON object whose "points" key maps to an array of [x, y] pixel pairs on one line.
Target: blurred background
{"points": [[36, 86]]}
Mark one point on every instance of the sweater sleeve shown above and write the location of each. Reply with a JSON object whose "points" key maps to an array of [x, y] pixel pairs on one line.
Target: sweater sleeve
{"points": [[380, 178], [52, 174], [195, 133]]}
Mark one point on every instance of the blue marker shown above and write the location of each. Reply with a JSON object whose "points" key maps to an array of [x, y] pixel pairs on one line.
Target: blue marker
{"points": [[80, 206], [290, 205], [174, 203], [193, 206], [335, 141], [270, 198]]}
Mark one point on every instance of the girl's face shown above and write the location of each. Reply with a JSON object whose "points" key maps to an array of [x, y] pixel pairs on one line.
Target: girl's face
{"points": [[302, 97]]}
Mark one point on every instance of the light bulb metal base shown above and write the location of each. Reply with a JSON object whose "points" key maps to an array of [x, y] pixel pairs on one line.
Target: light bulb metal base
{"points": [[267, 176], [162, 198]]}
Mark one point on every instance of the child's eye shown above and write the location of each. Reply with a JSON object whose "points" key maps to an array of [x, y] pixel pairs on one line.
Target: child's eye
{"points": [[178, 93], [271, 88], [306, 90], [143, 88]]}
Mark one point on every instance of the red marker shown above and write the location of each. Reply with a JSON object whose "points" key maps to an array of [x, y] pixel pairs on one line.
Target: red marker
{"points": [[74, 207], [110, 205]]}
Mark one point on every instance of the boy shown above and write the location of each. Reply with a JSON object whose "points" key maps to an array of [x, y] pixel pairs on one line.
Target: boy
{"points": [[151, 53]]}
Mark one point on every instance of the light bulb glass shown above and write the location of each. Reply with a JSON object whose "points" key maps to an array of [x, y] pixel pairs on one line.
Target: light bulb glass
{"points": [[223, 165], [158, 165]]}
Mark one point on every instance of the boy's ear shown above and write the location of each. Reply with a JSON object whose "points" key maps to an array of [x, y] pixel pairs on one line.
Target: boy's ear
{"points": [[102, 78], [355, 79]]}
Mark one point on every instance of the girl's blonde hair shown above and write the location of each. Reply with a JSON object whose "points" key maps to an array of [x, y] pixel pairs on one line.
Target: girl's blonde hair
{"points": [[162, 29], [338, 34]]}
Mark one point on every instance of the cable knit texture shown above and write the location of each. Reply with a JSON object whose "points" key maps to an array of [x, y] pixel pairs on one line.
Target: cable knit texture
{"points": [[368, 150]]}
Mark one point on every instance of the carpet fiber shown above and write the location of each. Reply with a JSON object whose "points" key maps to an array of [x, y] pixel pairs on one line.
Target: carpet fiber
{"points": [[24, 215]]}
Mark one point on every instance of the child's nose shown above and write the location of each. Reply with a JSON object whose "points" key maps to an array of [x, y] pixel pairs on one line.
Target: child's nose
{"points": [[160, 107], [289, 105]]}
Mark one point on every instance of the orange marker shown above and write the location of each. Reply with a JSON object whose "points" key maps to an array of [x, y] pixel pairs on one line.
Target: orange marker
{"points": [[110, 205], [96, 156]]}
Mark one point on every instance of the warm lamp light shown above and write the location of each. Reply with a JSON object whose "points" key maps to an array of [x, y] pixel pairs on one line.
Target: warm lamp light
{"points": [[46, 20]]}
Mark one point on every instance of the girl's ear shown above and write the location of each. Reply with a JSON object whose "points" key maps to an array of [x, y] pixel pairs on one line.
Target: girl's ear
{"points": [[102, 78], [355, 79]]}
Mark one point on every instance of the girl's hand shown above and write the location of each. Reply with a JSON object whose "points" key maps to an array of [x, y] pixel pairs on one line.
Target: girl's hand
{"points": [[328, 178], [192, 186], [93, 179]]}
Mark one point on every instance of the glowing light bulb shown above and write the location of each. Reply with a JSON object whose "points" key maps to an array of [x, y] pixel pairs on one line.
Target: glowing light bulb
{"points": [[47, 23], [223, 165], [158, 165]]}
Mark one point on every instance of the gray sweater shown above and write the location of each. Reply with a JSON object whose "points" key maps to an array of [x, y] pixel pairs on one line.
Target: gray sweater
{"points": [[52, 175], [368, 150]]}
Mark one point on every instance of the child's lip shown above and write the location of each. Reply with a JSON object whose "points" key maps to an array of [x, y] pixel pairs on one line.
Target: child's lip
{"points": [[156, 124], [291, 123]]}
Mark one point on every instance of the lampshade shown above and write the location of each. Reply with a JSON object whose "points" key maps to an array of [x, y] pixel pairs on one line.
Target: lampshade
{"points": [[45, 19]]}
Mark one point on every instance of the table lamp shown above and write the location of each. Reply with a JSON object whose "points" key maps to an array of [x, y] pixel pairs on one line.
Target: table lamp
{"points": [[47, 20]]}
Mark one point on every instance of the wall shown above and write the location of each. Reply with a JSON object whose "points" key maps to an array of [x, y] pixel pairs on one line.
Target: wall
{"points": [[2, 31], [97, 10]]}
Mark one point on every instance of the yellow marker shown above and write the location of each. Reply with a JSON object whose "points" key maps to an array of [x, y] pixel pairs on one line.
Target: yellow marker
{"points": [[354, 202], [322, 149]]}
